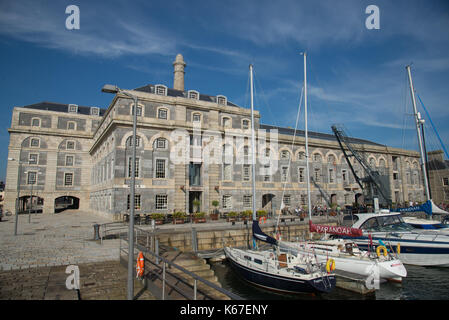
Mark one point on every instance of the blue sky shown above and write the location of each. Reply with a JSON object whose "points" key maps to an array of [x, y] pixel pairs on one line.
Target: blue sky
{"points": [[356, 76]]}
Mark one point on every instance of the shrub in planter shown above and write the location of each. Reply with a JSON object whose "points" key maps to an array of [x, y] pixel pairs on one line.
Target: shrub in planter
{"points": [[157, 217], [178, 217], [246, 215], [261, 213], [199, 217], [232, 216]]}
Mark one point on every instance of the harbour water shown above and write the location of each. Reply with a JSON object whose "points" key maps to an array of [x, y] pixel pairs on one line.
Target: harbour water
{"points": [[421, 283]]}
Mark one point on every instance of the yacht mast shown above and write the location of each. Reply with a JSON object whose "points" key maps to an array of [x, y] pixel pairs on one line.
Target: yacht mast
{"points": [[418, 121], [253, 144], [309, 202]]}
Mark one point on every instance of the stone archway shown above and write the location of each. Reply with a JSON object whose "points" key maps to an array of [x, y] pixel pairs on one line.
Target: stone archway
{"points": [[66, 202]]}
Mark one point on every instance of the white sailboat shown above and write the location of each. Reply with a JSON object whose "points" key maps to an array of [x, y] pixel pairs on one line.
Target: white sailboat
{"points": [[347, 256], [272, 269]]}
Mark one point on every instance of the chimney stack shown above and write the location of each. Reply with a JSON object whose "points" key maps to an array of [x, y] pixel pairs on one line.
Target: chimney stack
{"points": [[179, 66]]}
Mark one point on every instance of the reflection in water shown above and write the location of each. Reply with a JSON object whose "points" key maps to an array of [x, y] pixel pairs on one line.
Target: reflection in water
{"points": [[421, 283]]}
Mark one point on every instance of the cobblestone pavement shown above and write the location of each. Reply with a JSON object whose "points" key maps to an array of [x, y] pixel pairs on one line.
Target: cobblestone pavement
{"points": [[98, 281], [53, 240]]}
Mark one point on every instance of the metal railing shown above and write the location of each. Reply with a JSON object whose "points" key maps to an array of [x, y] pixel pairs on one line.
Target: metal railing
{"points": [[161, 268]]}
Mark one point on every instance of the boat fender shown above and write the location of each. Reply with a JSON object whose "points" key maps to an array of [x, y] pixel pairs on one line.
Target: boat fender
{"points": [[330, 265], [262, 219], [398, 248], [140, 265], [381, 248]]}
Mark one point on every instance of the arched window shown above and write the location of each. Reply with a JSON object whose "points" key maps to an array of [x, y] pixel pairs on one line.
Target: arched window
{"points": [[129, 141]]}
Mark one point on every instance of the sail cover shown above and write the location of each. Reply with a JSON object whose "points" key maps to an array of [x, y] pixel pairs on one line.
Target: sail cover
{"points": [[338, 230], [428, 207], [260, 235]]}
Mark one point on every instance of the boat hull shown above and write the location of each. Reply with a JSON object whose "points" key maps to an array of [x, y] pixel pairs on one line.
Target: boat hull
{"points": [[276, 282], [413, 252]]}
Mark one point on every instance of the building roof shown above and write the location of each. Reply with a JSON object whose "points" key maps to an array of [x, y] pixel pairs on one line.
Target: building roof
{"points": [[61, 107], [180, 93], [436, 164], [316, 135]]}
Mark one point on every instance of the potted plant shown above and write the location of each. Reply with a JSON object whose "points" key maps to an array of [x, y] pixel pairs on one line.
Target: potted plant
{"points": [[246, 215], [158, 218], [214, 215], [199, 217], [196, 205], [179, 217], [232, 216]]}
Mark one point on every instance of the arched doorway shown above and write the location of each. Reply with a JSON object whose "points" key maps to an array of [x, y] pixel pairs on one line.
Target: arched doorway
{"points": [[267, 203], [32, 204], [359, 199], [66, 202]]}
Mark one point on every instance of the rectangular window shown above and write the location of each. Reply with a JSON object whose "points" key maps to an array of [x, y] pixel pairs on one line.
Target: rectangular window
{"points": [[161, 201], [331, 176], [136, 202], [34, 142], [227, 172], [161, 143], [267, 175], [195, 174], [285, 154], [36, 122], [69, 160], [95, 111], [300, 175], [130, 161], [287, 200], [246, 172], [139, 110], [284, 174], [247, 201], [160, 168], [303, 198], [344, 175], [71, 125], [196, 117], [32, 175], [70, 145], [162, 114], [32, 158], [317, 175], [245, 124], [130, 141], [68, 179], [227, 202], [445, 181]]}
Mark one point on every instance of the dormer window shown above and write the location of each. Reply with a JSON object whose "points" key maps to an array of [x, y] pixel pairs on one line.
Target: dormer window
{"points": [[160, 90], [192, 94], [221, 100], [73, 108], [94, 111]]}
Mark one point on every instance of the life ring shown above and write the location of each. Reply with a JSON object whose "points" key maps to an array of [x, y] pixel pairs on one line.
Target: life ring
{"points": [[140, 265], [383, 248], [330, 265], [398, 248], [262, 219]]}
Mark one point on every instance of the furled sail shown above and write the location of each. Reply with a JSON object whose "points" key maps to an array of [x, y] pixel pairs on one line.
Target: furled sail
{"points": [[260, 235]]}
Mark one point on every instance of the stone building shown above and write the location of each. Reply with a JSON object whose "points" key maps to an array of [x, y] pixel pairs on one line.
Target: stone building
{"points": [[438, 169], [190, 146]]}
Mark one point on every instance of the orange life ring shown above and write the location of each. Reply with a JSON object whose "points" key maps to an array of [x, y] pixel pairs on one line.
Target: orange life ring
{"points": [[140, 265]]}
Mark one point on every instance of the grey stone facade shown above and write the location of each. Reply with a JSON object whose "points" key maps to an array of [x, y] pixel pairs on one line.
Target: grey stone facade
{"points": [[87, 157]]}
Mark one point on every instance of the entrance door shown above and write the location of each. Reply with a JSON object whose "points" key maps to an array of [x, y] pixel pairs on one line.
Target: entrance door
{"points": [[194, 201], [267, 202]]}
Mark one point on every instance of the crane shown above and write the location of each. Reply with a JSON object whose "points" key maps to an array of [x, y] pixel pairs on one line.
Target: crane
{"points": [[373, 179]]}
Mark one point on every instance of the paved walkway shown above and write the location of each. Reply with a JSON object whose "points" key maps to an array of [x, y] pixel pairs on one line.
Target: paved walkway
{"points": [[53, 240]]}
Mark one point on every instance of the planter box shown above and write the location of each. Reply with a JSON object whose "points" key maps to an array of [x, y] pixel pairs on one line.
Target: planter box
{"points": [[178, 221], [158, 222], [199, 220], [214, 216]]}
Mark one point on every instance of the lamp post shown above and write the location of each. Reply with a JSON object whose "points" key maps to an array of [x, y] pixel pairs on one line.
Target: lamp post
{"points": [[108, 88], [18, 194]]}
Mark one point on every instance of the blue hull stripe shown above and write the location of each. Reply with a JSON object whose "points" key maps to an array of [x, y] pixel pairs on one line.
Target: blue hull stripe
{"points": [[406, 245]]}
